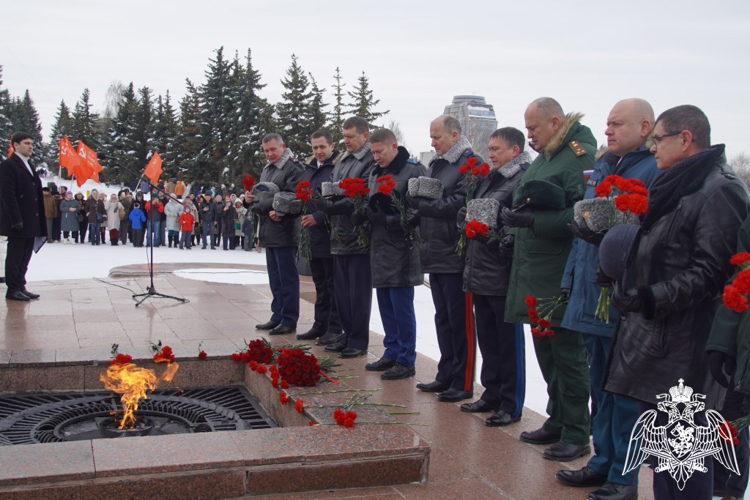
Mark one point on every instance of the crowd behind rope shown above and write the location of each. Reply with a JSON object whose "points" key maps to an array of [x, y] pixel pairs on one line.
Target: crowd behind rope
{"points": [[181, 216]]}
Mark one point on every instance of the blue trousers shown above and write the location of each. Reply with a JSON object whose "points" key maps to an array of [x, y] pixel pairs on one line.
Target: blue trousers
{"points": [[95, 231], [400, 324], [153, 228], [284, 279], [352, 289], [206, 228], [614, 420]]}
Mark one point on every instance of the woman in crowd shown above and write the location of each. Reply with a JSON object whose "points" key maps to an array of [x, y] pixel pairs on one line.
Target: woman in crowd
{"points": [[70, 210], [95, 213]]}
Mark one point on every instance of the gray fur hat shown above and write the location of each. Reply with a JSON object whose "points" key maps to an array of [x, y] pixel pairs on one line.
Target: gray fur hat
{"points": [[426, 187], [600, 214], [264, 190], [328, 189], [287, 203], [483, 210]]}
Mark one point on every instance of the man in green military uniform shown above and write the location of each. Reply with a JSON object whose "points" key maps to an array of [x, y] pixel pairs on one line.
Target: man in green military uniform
{"points": [[542, 244]]}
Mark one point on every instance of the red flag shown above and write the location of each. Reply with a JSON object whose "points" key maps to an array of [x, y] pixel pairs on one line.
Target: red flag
{"points": [[92, 163], [153, 169], [71, 161]]}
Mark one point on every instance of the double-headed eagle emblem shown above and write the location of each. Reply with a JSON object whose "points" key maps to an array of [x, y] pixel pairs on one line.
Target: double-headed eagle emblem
{"points": [[680, 446]]}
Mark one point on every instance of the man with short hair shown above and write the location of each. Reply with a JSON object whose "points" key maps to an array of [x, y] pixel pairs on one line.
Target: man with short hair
{"points": [[439, 237], [629, 128], [486, 276], [317, 171], [542, 244], [669, 292], [352, 281], [22, 217], [394, 257], [280, 237]]}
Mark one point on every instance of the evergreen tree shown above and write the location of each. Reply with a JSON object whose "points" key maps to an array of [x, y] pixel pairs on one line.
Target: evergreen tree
{"points": [[165, 134], [63, 126], [85, 123], [215, 119], [143, 124], [189, 140], [295, 121], [6, 126], [120, 144], [25, 118], [339, 111], [364, 103], [318, 116], [250, 107]]}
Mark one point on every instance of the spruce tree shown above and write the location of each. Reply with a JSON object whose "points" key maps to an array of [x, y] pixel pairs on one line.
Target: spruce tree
{"points": [[6, 126], [120, 144], [25, 118], [85, 123], [165, 134], [143, 123], [339, 111], [294, 120], [318, 115], [63, 127], [363, 102], [189, 140], [250, 107], [215, 118]]}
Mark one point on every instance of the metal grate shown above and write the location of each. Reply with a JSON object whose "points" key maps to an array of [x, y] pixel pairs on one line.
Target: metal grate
{"points": [[54, 417]]}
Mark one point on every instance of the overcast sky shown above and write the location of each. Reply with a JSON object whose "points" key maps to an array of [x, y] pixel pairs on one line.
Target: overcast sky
{"points": [[418, 55]]}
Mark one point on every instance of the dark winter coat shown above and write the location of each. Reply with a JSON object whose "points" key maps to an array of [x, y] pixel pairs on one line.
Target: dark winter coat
{"points": [[320, 235], [679, 268], [68, 219], [437, 223], [206, 210], [21, 200], [94, 207], [583, 261], [227, 221], [486, 271], [394, 260], [357, 164], [286, 175], [541, 252]]}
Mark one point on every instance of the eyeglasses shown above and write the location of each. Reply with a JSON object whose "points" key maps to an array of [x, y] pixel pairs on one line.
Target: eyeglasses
{"points": [[658, 138]]}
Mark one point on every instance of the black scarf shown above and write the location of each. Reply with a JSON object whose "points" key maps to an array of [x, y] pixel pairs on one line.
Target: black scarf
{"points": [[684, 178]]}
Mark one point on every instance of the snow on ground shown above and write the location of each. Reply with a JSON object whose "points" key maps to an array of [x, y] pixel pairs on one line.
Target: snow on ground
{"points": [[61, 262]]}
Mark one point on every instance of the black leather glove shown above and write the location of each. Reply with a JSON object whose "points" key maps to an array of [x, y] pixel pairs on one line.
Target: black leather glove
{"points": [[17, 227], [520, 218], [603, 280], [719, 364], [411, 201], [564, 294], [506, 246], [582, 230], [412, 218], [358, 219], [628, 301]]}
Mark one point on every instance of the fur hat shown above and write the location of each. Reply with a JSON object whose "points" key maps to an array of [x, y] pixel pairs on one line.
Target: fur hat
{"points": [[484, 210], [329, 189], [426, 187], [287, 203], [265, 190], [600, 215]]}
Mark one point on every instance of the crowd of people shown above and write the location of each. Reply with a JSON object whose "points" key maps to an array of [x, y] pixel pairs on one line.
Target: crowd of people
{"points": [[378, 219]]}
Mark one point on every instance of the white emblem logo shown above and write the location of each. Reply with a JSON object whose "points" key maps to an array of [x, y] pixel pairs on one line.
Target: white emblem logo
{"points": [[680, 446]]}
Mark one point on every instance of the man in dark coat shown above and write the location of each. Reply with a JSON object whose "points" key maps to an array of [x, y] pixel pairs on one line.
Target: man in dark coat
{"points": [[394, 257], [318, 171], [671, 289], [352, 281], [542, 244], [629, 125], [280, 237], [486, 276], [439, 237], [22, 217]]}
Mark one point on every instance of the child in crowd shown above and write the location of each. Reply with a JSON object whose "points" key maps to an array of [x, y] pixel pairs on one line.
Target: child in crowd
{"points": [[137, 218], [187, 224]]}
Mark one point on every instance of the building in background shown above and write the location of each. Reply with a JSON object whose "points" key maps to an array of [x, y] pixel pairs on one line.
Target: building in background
{"points": [[477, 119]]}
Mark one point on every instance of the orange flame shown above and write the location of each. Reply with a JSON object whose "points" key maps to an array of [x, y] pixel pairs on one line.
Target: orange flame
{"points": [[134, 383]]}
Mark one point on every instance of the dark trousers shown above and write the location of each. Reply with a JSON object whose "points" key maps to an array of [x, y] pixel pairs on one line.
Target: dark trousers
{"points": [[207, 226], [503, 355], [699, 486], [185, 240], [326, 314], [564, 364], [95, 232], [726, 481], [352, 289], [82, 232], [614, 420], [50, 232], [75, 235], [396, 307], [124, 229], [138, 237], [284, 280], [56, 228], [17, 262], [455, 331], [227, 242]]}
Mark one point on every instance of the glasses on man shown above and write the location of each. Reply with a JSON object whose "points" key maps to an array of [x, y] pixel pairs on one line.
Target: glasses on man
{"points": [[658, 138]]}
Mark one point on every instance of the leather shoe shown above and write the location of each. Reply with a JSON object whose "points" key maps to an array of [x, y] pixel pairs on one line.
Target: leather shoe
{"points": [[282, 330], [268, 325], [581, 477], [398, 371], [433, 387], [479, 406], [500, 419], [351, 352], [539, 436], [335, 347], [328, 339], [454, 395], [566, 452], [29, 294], [380, 365], [311, 334], [613, 491], [19, 295]]}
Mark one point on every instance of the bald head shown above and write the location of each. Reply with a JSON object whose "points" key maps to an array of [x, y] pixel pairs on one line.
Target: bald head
{"points": [[547, 108], [445, 131], [543, 117], [629, 125]]}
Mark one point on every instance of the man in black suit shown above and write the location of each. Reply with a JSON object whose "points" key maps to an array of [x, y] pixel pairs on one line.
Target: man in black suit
{"points": [[22, 216]]}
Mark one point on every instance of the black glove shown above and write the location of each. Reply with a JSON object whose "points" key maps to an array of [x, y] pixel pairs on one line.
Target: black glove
{"points": [[719, 364], [411, 201], [506, 246], [520, 218], [461, 217], [564, 294], [358, 219], [412, 218], [17, 227], [603, 280], [628, 301], [376, 216], [582, 230]]}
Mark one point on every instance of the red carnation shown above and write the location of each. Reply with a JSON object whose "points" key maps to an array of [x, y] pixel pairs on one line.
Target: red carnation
{"points": [[348, 423], [474, 227], [202, 355], [248, 182], [299, 405], [740, 258], [603, 189], [734, 300], [530, 301], [283, 398], [638, 204], [122, 359], [312, 424], [304, 192], [284, 384], [622, 202], [261, 369], [253, 365], [236, 356], [728, 432], [385, 184]]}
